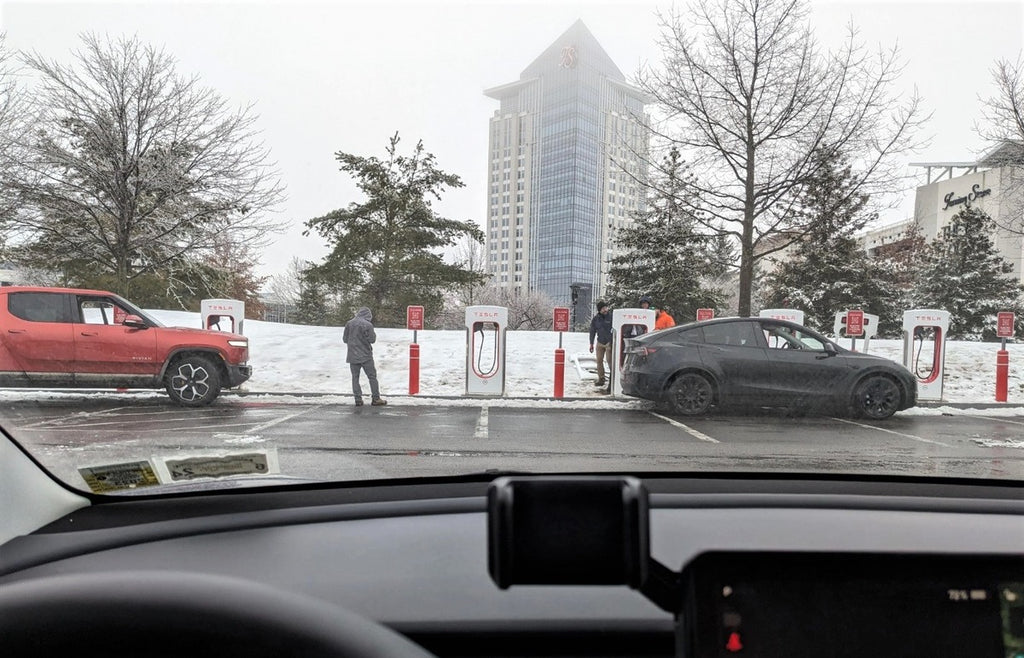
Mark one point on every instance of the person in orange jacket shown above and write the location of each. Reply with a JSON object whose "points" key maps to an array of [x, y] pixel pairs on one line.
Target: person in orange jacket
{"points": [[662, 320]]}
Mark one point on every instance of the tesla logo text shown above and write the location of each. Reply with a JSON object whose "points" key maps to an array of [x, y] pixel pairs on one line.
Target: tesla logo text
{"points": [[967, 200], [482, 314], [568, 57]]}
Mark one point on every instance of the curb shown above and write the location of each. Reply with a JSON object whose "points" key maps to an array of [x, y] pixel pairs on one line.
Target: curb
{"points": [[390, 396], [924, 405]]}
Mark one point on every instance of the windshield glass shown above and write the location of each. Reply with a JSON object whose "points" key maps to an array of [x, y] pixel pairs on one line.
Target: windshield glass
{"points": [[416, 239]]}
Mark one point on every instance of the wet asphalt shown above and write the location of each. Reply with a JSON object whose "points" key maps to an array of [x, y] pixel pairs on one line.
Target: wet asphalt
{"points": [[339, 441]]}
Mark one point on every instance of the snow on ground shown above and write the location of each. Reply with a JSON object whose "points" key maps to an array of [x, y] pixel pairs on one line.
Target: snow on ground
{"points": [[299, 359]]}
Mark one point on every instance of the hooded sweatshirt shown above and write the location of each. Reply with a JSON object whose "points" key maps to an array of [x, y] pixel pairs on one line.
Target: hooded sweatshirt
{"points": [[360, 336]]}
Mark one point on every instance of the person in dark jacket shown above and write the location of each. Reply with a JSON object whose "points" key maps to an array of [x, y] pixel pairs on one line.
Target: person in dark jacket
{"points": [[360, 337], [601, 329]]}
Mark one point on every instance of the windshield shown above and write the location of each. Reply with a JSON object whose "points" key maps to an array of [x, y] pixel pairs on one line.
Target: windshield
{"points": [[423, 239]]}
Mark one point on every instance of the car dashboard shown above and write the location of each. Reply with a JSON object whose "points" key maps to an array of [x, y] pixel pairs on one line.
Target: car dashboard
{"points": [[759, 566]]}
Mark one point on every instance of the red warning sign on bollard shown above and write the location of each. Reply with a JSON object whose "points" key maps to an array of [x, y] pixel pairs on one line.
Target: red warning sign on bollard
{"points": [[855, 323], [414, 318], [561, 320], [1004, 324]]}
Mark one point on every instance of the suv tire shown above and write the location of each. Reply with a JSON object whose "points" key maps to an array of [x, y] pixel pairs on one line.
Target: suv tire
{"points": [[690, 394], [193, 381], [876, 397]]}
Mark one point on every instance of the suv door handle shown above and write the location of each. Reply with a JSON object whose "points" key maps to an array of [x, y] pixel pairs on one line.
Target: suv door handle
{"points": [[15, 331], [90, 333]]}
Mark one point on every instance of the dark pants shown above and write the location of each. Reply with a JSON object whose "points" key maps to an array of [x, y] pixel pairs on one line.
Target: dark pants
{"points": [[371, 374]]}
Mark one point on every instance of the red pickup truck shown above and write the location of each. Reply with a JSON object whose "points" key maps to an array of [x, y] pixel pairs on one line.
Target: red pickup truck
{"points": [[63, 337]]}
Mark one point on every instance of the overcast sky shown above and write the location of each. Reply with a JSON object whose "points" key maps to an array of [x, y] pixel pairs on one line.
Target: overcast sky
{"points": [[332, 76]]}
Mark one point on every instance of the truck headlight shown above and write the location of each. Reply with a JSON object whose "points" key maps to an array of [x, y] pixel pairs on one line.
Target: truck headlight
{"points": [[238, 343]]}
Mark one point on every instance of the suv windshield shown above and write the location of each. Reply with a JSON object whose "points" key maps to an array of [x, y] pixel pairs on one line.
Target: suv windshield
{"points": [[272, 242]]}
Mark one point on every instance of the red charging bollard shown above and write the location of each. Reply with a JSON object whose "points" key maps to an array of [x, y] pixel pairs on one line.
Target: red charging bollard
{"points": [[1002, 374], [414, 369], [559, 372]]}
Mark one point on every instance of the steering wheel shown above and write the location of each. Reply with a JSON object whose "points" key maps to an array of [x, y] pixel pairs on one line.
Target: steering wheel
{"points": [[171, 613]]}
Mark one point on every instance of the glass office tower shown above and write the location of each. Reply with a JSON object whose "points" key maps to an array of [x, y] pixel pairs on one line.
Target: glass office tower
{"points": [[567, 151]]}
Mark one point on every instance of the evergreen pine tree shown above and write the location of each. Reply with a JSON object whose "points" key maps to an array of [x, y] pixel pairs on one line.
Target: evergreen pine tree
{"points": [[964, 274], [829, 271], [900, 264], [311, 307], [386, 252], [664, 255]]}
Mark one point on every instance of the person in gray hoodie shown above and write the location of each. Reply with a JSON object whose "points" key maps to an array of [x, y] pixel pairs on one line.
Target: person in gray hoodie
{"points": [[360, 337]]}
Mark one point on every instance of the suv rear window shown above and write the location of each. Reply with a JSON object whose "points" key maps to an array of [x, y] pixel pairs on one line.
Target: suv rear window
{"points": [[38, 306]]}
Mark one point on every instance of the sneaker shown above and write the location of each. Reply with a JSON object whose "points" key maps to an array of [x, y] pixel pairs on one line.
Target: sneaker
{"points": [[599, 383], [379, 402], [359, 403]]}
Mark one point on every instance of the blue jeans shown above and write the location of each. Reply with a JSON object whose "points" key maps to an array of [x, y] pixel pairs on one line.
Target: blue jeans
{"points": [[371, 374]]}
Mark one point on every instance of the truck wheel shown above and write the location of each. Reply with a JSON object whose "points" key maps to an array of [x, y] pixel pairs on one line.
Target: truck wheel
{"points": [[193, 381]]}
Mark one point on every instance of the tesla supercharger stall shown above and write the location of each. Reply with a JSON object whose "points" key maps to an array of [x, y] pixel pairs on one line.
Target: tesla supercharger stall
{"points": [[924, 349], [223, 315], [790, 314], [869, 329], [624, 320], [485, 350]]}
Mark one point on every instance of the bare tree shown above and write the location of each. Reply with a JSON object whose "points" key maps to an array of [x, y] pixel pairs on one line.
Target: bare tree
{"points": [[470, 255], [1002, 126], [286, 288], [14, 122], [529, 311], [748, 97], [1004, 112], [135, 169]]}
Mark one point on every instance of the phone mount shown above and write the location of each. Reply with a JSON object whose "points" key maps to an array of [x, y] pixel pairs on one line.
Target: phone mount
{"points": [[583, 530]]}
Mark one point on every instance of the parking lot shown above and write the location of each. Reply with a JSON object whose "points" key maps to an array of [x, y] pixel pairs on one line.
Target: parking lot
{"points": [[421, 437]]}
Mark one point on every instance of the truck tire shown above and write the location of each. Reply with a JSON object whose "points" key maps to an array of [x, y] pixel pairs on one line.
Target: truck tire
{"points": [[193, 381]]}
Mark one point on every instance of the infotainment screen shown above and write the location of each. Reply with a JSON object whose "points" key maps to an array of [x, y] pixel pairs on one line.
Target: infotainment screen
{"points": [[773, 605]]}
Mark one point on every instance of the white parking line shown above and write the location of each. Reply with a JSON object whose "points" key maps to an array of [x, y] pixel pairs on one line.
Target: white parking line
{"points": [[68, 423], [63, 418], [906, 436], [481, 424], [999, 419], [700, 436], [134, 430], [278, 421]]}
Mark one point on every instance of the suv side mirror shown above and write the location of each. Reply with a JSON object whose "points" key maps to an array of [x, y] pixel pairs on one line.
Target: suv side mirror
{"points": [[134, 322]]}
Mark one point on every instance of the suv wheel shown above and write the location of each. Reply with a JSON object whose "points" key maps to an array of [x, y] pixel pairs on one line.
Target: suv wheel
{"points": [[876, 398], [193, 381], [691, 394]]}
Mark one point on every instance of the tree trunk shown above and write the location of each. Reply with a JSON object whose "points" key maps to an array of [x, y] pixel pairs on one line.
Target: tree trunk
{"points": [[122, 275], [747, 242]]}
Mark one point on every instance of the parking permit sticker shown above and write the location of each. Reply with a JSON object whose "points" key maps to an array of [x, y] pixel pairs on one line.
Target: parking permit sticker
{"points": [[218, 466], [119, 477]]}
